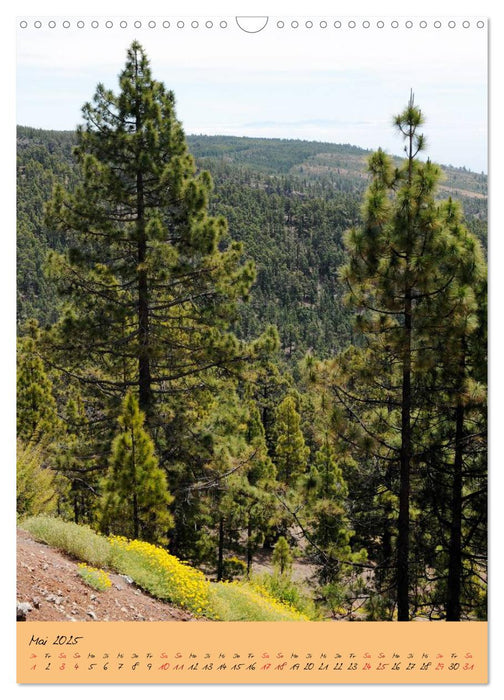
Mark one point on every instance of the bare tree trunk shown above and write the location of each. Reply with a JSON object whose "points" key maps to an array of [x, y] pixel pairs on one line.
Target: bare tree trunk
{"points": [[249, 547], [220, 556], [403, 523], [453, 609]]}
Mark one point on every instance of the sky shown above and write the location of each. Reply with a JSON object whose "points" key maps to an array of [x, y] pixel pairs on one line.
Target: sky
{"points": [[338, 84]]}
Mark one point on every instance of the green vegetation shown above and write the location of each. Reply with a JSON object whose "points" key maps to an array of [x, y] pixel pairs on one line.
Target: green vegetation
{"points": [[413, 273], [36, 491], [77, 540], [291, 453], [254, 351], [159, 573], [135, 496], [282, 556], [248, 602], [290, 221], [96, 578], [36, 406], [281, 587]]}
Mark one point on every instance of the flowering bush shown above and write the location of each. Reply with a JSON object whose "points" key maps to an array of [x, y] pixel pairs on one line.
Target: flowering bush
{"points": [[281, 606], [244, 600], [162, 574], [96, 578], [285, 591]]}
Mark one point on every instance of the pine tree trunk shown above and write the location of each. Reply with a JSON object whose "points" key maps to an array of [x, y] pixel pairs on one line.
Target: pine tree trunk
{"points": [[220, 556], [403, 523], [386, 550], [76, 508], [136, 523], [455, 560], [144, 372], [249, 547]]}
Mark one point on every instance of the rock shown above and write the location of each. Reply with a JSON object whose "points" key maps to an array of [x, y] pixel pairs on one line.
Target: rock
{"points": [[56, 599], [22, 610], [92, 596], [128, 579], [118, 586], [36, 603], [92, 615]]}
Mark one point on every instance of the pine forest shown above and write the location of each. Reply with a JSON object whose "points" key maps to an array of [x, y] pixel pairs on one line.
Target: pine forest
{"points": [[265, 358]]}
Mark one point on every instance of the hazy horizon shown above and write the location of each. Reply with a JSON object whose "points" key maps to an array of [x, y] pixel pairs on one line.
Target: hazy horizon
{"points": [[282, 138], [327, 85]]}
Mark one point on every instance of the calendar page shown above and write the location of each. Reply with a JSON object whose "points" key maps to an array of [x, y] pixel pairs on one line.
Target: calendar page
{"points": [[252, 349]]}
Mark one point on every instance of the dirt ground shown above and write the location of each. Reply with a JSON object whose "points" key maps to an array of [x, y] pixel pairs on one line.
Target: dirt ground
{"points": [[50, 589]]}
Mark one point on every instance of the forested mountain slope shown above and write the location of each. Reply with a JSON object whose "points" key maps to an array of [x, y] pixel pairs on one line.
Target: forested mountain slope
{"points": [[290, 360], [288, 201]]}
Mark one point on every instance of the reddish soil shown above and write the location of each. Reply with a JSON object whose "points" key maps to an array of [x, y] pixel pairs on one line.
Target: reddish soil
{"points": [[47, 580]]}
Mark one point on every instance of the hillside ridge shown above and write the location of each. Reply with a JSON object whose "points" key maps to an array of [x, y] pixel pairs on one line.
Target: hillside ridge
{"points": [[288, 201], [50, 589], [208, 145]]}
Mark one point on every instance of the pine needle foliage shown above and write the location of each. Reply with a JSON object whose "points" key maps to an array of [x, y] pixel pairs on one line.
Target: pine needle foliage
{"points": [[135, 501], [411, 276]]}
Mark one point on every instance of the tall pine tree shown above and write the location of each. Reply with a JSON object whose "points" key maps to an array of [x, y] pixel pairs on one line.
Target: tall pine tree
{"points": [[36, 405], [406, 264], [151, 282], [151, 287]]}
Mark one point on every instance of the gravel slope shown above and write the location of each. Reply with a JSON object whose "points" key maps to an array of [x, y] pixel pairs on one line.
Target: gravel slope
{"points": [[50, 589]]}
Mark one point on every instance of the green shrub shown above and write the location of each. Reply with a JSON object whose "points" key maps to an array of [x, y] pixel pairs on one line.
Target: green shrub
{"points": [[233, 568], [242, 601], [162, 574], [282, 556], [336, 598], [96, 578], [35, 491], [78, 540], [286, 591]]}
